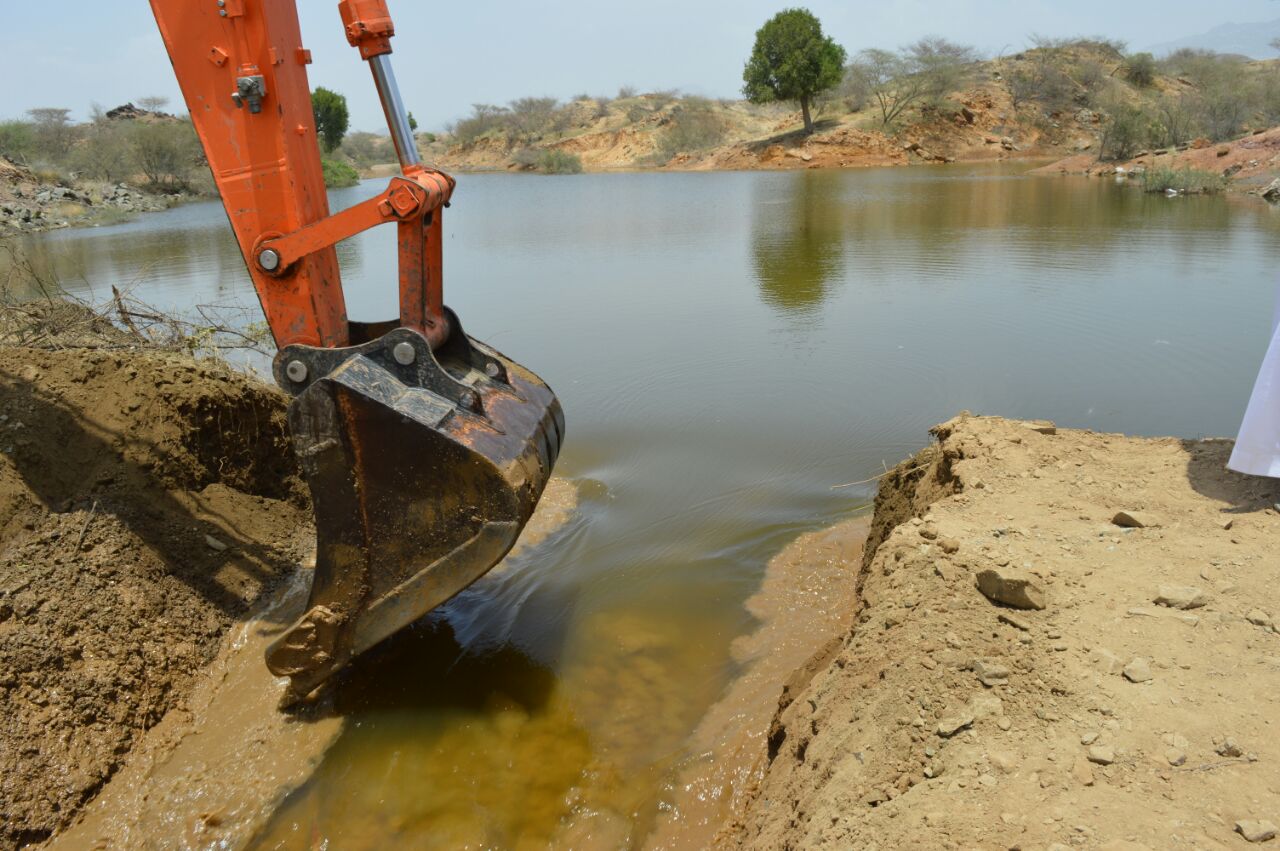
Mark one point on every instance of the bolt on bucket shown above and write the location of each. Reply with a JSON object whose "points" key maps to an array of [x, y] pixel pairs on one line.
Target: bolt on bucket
{"points": [[423, 469]]}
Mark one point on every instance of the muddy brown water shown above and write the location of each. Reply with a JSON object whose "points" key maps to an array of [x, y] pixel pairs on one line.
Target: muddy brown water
{"points": [[728, 347]]}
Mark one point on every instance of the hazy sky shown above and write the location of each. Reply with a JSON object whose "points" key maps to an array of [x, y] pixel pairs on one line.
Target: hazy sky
{"points": [[451, 55]]}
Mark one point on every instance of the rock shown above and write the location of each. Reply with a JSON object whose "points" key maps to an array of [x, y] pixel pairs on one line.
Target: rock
{"points": [[929, 532], [1082, 771], [1102, 755], [990, 673], [1014, 621], [985, 706], [803, 156], [1089, 738], [1181, 597], [1254, 830], [1109, 662], [950, 546], [1041, 426], [1007, 143], [1011, 587], [1222, 152], [1229, 748], [1175, 756], [1135, 520], [1272, 192], [1257, 617], [1232, 170], [214, 544], [953, 724], [1137, 671], [1004, 723], [1227, 524]]}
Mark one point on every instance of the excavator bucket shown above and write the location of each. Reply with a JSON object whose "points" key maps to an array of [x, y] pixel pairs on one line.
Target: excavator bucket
{"points": [[423, 468]]}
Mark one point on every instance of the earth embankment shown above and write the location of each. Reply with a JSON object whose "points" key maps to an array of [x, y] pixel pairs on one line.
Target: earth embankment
{"points": [[1061, 639], [146, 501]]}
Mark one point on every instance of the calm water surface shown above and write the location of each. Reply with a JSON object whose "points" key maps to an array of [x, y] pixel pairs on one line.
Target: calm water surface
{"points": [[727, 347]]}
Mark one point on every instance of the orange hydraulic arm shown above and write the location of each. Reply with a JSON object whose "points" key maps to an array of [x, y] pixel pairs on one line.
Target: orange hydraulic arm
{"points": [[242, 68]]}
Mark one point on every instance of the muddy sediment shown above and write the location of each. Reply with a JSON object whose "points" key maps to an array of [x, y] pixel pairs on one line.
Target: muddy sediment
{"points": [[1134, 710], [146, 501]]}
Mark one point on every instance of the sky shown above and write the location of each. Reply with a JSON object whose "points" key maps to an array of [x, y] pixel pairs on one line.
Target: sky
{"points": [[452, 55]]}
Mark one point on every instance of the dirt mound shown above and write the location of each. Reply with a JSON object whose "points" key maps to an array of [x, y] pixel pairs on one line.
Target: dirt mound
{"points": [[146, 499], [1134, 710]]}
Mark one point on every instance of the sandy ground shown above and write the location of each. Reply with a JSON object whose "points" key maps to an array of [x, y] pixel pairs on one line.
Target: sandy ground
{"points": [[1137, 709]]}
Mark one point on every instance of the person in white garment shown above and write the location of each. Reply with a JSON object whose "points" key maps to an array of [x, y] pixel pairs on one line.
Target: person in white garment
{"points": [[1257, 449]]}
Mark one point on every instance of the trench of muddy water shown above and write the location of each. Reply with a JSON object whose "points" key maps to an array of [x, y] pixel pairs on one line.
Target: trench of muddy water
{"points": [[729, 348]]}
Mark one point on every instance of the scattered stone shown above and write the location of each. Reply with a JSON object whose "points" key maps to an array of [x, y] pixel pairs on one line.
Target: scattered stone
{"points": [[1004, 724], [950, 546], [1109, 662], [1012, 587], [990, 673], [214, 544], [1257, 617], [985, 706], [1272, 192], [1138, 671], [1227, 524], [929, 532], [1083, 772], [1042, 426], [1135, 520], [1089, 738], [1175, 756], [1229, 748], [953, 724], [1102, 755], [1014, 621], [1181, 597], [1254, 830]]}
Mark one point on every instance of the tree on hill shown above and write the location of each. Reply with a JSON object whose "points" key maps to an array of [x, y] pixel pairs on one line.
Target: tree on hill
{"points": [[924, 72], [332, 118], [792, 60]]}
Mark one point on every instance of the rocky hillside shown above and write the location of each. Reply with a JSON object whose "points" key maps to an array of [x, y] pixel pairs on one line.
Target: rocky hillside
{"points": [[1077, 97]]}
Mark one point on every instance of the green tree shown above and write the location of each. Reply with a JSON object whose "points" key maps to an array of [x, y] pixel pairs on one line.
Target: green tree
{"points": [[792, 60], [413, 123], [332, 117]]}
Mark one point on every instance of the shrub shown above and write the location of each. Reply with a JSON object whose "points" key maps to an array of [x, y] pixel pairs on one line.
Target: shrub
{"points": [[1140, 69], [484, 119], [695, 125], [338, 174], [625, 92], [1187, 181], [165, 153], [105, 153], [1128, 129], [555, 161], [17, 140]]}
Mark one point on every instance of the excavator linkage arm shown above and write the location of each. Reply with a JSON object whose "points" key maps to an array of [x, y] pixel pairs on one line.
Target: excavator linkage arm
{"points": [[425, 451]]}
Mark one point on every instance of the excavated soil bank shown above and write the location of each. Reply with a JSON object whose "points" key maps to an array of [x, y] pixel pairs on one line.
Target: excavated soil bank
{"points": [[146, 500], [1136, 709]]}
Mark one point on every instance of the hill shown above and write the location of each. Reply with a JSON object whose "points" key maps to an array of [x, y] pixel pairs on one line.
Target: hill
{"points": [[931, 103], [1252, 40]]}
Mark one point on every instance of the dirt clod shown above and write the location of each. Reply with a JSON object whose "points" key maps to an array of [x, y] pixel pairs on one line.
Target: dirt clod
{"points": [[1012, 587]]}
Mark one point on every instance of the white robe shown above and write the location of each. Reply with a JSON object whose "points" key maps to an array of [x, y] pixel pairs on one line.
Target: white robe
{"points": [[1257, 449]]}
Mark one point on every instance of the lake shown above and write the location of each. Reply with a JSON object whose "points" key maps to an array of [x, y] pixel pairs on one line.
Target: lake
{"points": [[727, 347]]}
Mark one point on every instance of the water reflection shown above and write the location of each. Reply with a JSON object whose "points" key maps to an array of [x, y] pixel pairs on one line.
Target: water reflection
{"points": [[797, 233]]}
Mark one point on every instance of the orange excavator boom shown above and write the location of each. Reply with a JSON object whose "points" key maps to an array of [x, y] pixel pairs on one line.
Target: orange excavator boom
{"points": [[425, 450]]}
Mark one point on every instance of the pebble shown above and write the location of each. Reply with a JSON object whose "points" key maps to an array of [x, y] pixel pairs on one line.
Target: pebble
{"points": [[1089, 738], [1102, 755], [1135, 520], [1175, 756], [1229, 748], [1014, 621], [1138, 671], [1082, 771], [990, 673], [950, 546], [953, 724], [1181, 597], [1257, 617], [1012, 587], [214, 544], [1254, 830], [1004, 724]]}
